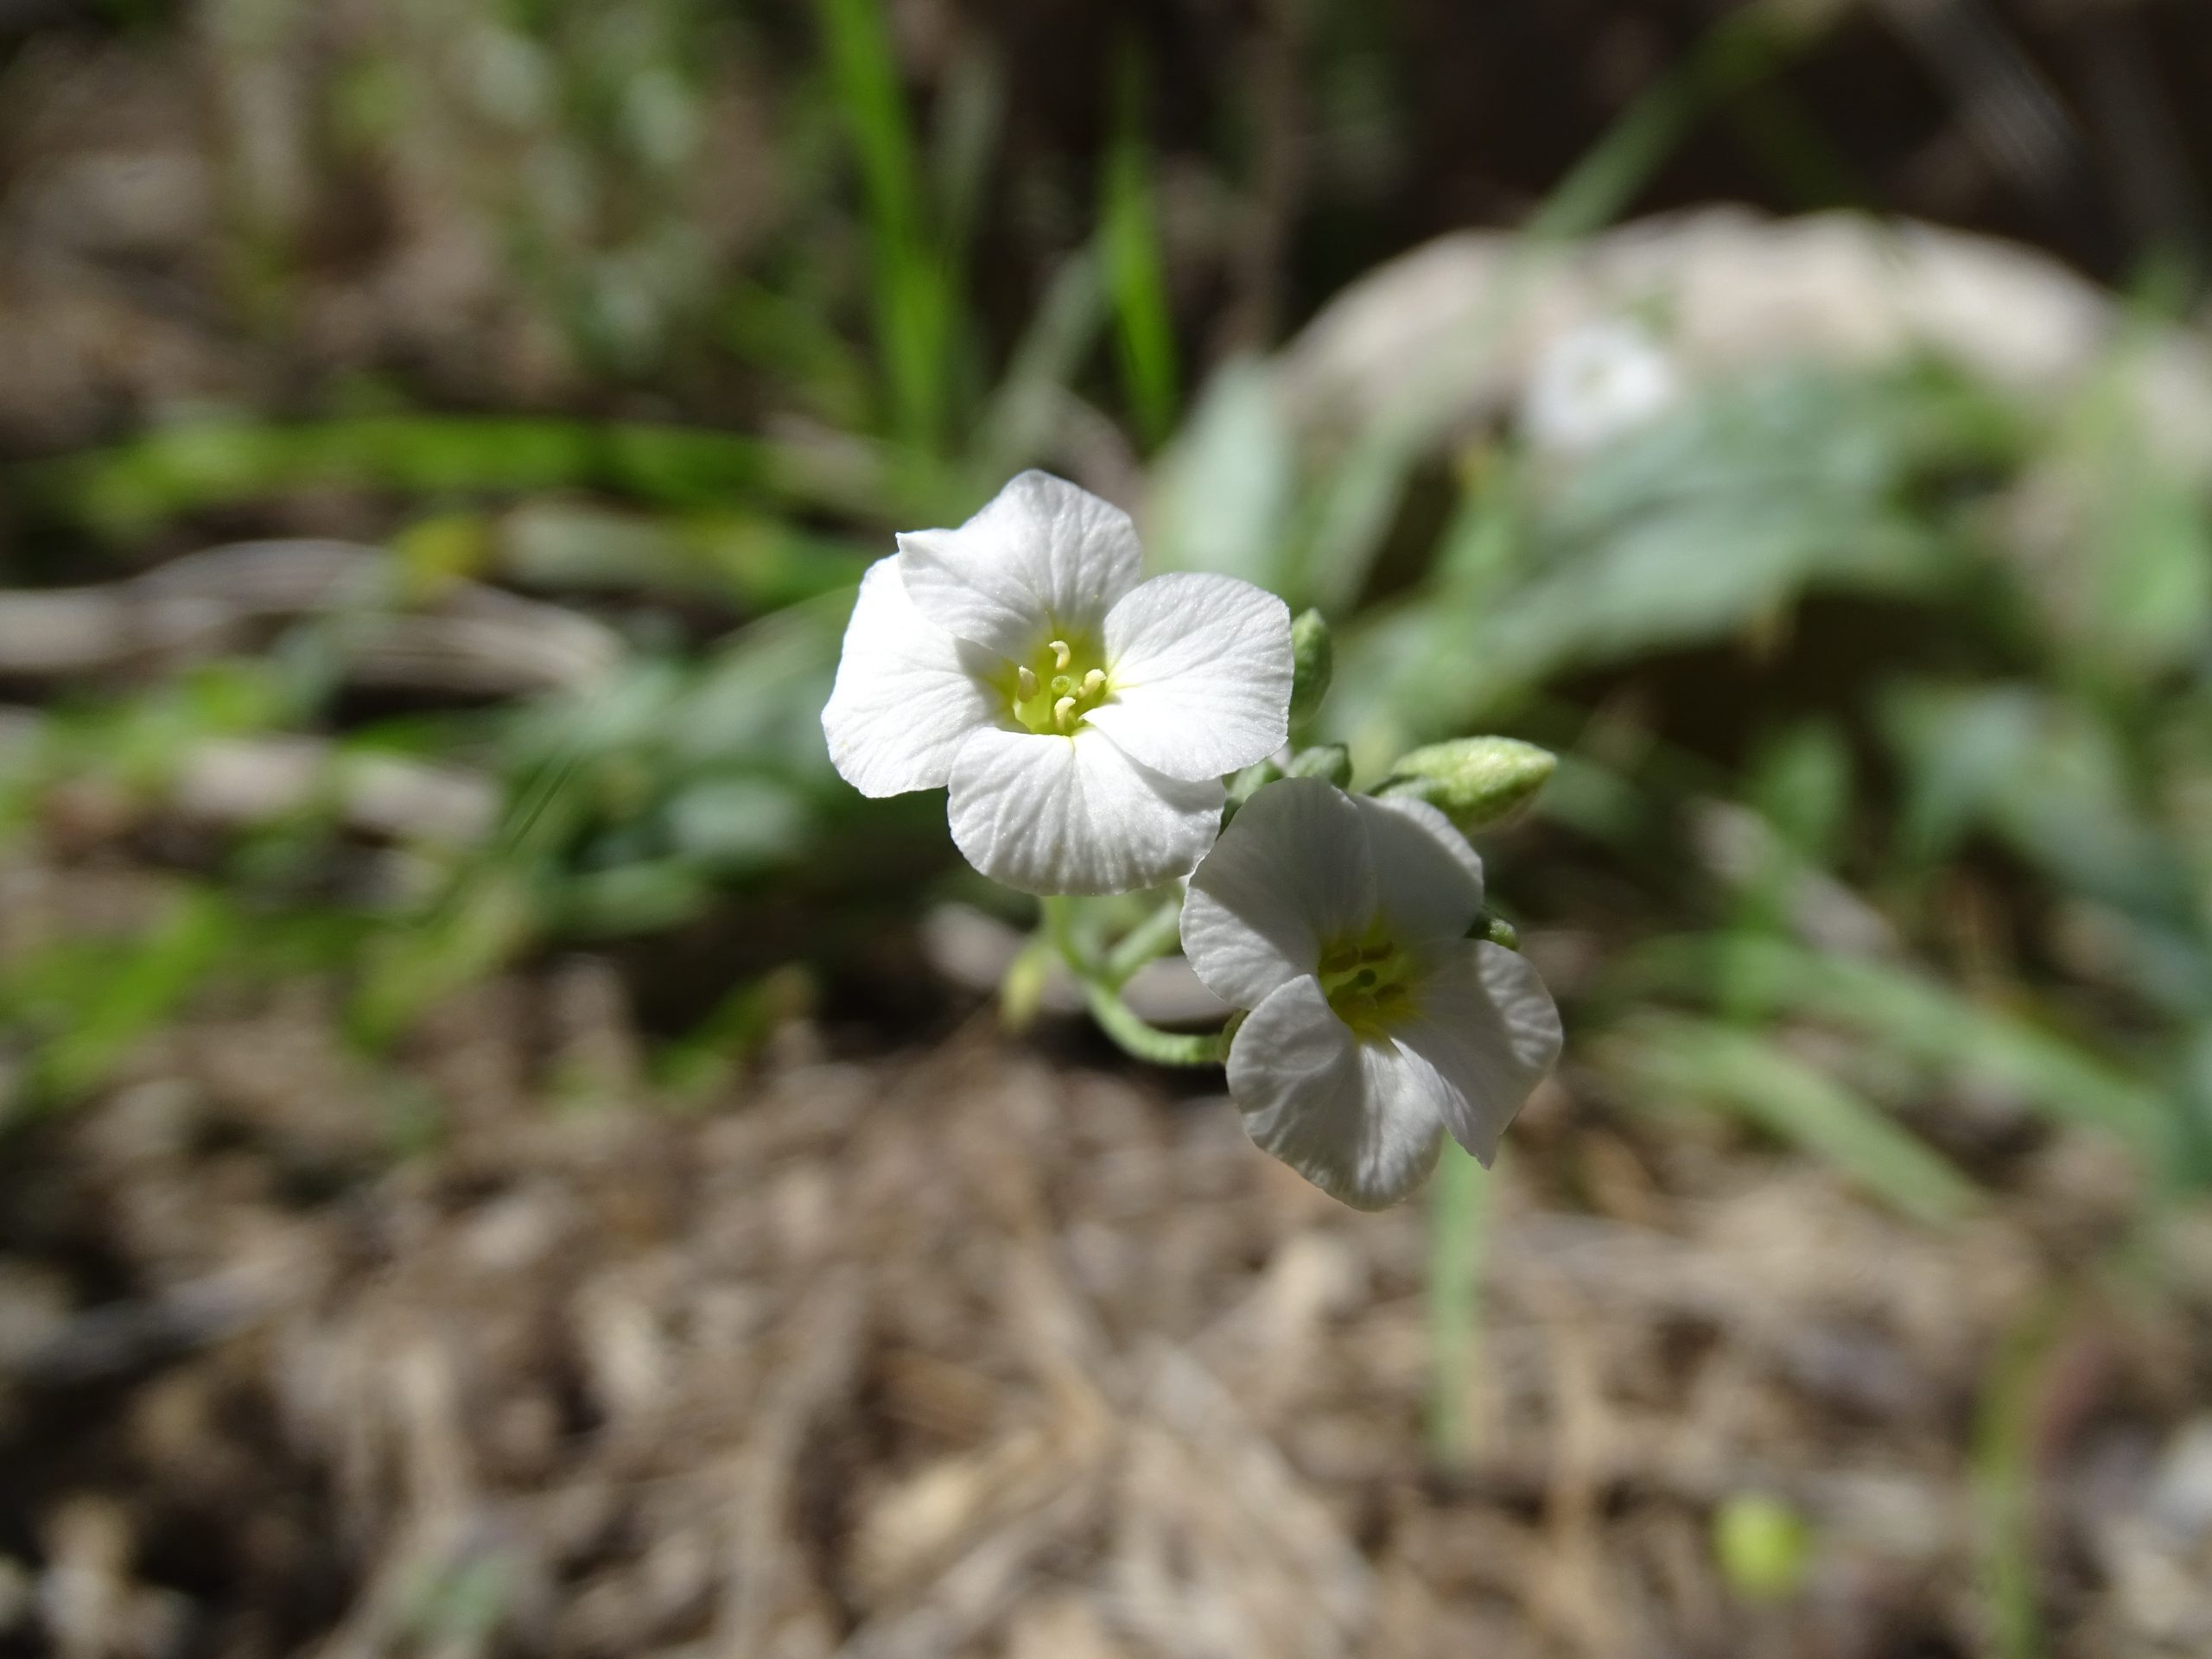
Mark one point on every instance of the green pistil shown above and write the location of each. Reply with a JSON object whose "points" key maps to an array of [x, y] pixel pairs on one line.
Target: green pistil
{"points": [[1369, 982], [1061, 684]]}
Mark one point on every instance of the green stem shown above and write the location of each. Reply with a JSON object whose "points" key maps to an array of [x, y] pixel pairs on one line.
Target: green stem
{"points": [[1148, 1042], [1102, 987], [1458, 1209], [1150, 939], [1059, 915], [2002, 1476]]}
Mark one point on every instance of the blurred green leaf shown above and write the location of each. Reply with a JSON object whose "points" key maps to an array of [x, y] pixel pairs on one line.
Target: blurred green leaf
{"points": [[99, 999], [912, 275], [1801, 784], [1135, 274], [1222, 493], [760, 563], [2051, 778], [1764, 1083], [1914, 1015], [127, 491]]}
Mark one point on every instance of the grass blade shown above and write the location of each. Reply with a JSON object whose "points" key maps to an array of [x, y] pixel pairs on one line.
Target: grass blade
{"points": [[1762, 1081], [1135, 272], [912, 280]]}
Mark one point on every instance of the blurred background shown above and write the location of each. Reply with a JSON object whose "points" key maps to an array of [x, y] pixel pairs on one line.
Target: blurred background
{"points": [[502, 1153]]}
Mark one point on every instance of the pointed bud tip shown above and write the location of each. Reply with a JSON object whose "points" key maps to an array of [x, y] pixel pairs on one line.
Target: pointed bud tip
{"points": [[1329, 760], [1476, 782], [1313, 655], [1244, 785]]}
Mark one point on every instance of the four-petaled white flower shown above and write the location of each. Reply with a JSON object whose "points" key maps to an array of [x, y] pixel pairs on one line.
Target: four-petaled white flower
{"points": [[1083, 720], [1376, 1026]]}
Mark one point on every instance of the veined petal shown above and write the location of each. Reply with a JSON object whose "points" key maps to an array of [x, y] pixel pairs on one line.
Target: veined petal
{"points": [[1042, 555], [1359, 1119], [1429, 880], [903, 702], [1293, 869], [1487, 1024], [1075, 815], [1200, 668]]}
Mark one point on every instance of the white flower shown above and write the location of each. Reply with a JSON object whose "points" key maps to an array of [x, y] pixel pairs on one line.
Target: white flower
{"points": [[1377, 1026], [1596, 382], [1082, 719]]}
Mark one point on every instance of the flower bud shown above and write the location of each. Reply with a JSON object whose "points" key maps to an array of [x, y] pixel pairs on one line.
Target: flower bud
{"points": [[1474, 781], [1313, 658], [1243, 785], [1329, 760]]}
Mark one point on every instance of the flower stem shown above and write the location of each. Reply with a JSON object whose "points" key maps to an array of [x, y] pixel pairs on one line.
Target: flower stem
{"points": [[1459, 1212], [1148, 1042], [1102, 985], [1151, 939], [1059, 927]]}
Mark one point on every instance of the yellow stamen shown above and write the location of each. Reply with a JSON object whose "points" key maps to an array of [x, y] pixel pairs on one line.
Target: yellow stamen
{"points": [[1061, 654], [1026, 684], [1064, 713], [1094, 682]]}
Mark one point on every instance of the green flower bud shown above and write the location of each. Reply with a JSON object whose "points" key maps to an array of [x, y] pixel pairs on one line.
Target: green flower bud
{"points": [[1474, 781], [1243, 785], [1329, 760], [1313, 659]]}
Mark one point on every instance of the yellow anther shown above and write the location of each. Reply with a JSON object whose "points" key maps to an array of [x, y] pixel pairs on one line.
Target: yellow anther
{"points": [[1061, 654], [1094, 682], [1024, 683], [1064, 713]]}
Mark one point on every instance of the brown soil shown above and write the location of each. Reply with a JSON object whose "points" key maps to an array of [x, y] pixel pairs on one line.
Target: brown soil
{"points": [[971, 1351]]}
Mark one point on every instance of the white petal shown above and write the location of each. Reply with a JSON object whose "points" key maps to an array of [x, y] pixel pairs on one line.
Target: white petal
{"points": [[1359, 1119], [1489, 1026], [1201, 668], [1075, 814], [1042, 555], [903, 702], [1292, 870], [1429, 880]]}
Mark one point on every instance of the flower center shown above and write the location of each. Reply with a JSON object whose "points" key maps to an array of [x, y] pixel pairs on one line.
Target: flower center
{"points": [[1052, 692], [1369, 982]]}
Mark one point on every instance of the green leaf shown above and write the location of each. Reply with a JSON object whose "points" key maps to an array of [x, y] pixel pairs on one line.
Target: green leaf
{"points": [[1135, 274], [1914, 1016], [912, 276], [103, 998], [1222, 493], [1766, 1085]]}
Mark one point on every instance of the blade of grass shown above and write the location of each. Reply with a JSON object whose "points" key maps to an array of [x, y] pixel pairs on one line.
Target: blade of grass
{"points": [[1018, 424], [102, 998], [1742, 50], [1929, 1022], [134, 487], [911, 278], [2002, 1476], [1769, 1086], [1128, 234]]}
